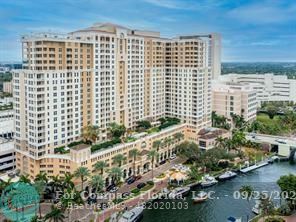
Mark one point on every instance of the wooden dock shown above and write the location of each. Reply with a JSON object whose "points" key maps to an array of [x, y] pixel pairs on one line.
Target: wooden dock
{"points": [[254, 167]]}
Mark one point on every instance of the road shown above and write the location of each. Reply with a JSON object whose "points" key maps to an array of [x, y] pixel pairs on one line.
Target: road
{"points": [[148, 176], [141, 198]]}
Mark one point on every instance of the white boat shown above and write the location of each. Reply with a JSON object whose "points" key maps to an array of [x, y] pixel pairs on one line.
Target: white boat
{"points": [[256, 209], [233, 219], [208, 181], [227, 175], [179, 192], [201, 197], [133, 215]]}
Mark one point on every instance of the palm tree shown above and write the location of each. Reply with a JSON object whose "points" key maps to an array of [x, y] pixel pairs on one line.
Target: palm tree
{"points": [[4, 184], [25, 179], [266, 205], [156, 144], [247, 193], [153, 155], [90, 133], [97, 182], [119, 158], [82, 173], [134, 153], [117, 130], [42, 176], [115, 173], [67, 181], [239, 138], [56, 182], [100, 166], [220, 142], [179, 136], [39, 187], [55, 215], [34, 219]]}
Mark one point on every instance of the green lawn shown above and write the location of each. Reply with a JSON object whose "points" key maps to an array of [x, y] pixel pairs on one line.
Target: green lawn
{"points": [[266, 120]]}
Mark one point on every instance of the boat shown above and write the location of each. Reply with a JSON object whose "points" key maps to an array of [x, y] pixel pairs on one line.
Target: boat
{"points": [[133, 215], [201, 197], [256, 209], [208, 181], [179, 192], [233, 219], [227, 175]]}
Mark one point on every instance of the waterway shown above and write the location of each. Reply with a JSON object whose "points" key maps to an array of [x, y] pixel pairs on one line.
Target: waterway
{"points": [[225, 199]]}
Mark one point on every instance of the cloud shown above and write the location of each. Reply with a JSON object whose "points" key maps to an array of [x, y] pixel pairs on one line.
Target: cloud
{"points": [[186, 4], [264, 12], [266, 43]]}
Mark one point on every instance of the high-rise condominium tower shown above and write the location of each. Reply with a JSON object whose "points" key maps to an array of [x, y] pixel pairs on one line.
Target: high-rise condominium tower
{"points": [[103, 74]]}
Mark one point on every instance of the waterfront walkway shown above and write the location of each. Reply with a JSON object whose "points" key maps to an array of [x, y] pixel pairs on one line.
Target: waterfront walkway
{"points": [[134, 201]]}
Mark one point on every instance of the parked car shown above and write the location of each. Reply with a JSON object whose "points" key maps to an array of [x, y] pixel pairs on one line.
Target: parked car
{"points": [[125, 194], [173, 157], [138, 177], [114, 189], [110, 187], [130, 180], [141, 185], [162, 162]]}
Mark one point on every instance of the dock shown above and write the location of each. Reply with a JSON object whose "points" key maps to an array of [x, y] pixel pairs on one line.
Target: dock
{"points": [[254, 167]]}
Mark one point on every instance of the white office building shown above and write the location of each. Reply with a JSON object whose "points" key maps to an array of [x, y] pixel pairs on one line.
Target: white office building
{"points": [[269, 87]]}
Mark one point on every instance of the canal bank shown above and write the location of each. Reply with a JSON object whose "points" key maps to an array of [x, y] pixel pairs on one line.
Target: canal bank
{"points": [[225, 198]]}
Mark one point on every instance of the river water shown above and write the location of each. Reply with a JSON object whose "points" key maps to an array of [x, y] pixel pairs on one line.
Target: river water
{"points": [[225, 199]]}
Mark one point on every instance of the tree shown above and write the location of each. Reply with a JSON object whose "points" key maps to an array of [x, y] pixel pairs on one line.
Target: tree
{"points": [[82, 173], [238, 138], [90, 133], [189, 150], [153, 155], [289, 120], [115, 173], [39, 187], [156, 144], [220, 142], [55, 215], [271, 111], [266, 205], [117, 130], [238, 121], [67, 182], [144, 124], [287, 184], [56, 182], [100, 166], [119, 159], [247, 192], [179, 136], [134, 153], [42, 176], [25, 179], [97, 182], [4, 184]]}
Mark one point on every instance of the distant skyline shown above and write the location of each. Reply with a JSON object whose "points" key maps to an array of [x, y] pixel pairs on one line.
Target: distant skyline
{"points": [[252, 31]]}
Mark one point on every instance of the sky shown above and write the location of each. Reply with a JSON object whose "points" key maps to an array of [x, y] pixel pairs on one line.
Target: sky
{"points": [[252, 31]]}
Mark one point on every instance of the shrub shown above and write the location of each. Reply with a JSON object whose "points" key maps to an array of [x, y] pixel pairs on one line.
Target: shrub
{"points": [[105, 144], [150, 182], [274, 219], [135, 191], [75, 143]]}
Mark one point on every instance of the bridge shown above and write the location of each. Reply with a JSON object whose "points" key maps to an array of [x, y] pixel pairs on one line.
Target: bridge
{"points": [[283, 145]]}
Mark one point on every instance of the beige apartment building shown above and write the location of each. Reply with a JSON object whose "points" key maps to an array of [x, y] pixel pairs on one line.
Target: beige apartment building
{"points": [[7, 87], [231, 98], [102, 74]]}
